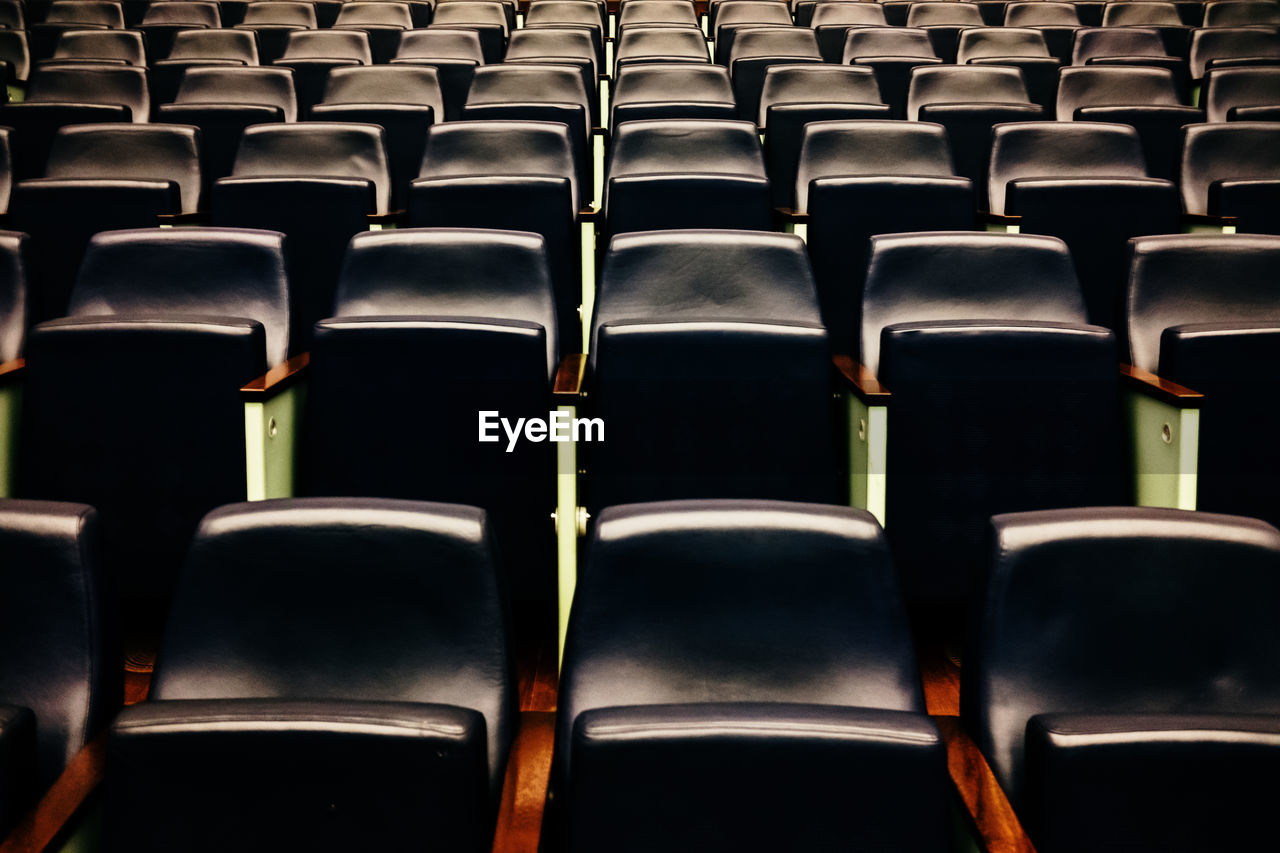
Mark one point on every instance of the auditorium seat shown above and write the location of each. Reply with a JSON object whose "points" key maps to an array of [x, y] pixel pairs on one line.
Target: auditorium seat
{"points": [[1023, 48], [705, 706], [473, 313], [892, 52], [686, 173], [100, 177], [832, 21], [860, 178], [757, 48], [1058, 22], [1000, 397], [1086, 183], [319, 183], [648, 12], [568, 46], [60, 676], [1233, 169], [1223, 47], [404, 100], [454, 54], [511, 175], [663, 90], [162, 22], [273, 20], [196, 48], [16, 58], [1140, 46], [1236, 93], [312, 54], [1160, 16], [794, 96], [578, 14], [384, 22], [968, 100], [1241, 14], [101, 47], [486, 19], [273, 722], [1120, 669], [648, 44], [63, 15], [1202, 312], [163, 328], [733, 15], [944, 22]]}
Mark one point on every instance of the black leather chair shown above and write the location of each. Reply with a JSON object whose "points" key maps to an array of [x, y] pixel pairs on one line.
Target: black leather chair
{"points": [[757, 48], [646, 44], [1120, 669], [102, 47], [454, 53], [187, 316], [318, 183], [662, 90], [1201, 313], [1224, 47], [1129, 46], [1147, 99], [561, 46], [361, 696], [273, 20], [1087, 184], [517, 176], [660, 12], [1023, 48], [1058, 22], [404, 100], [162, 22], [63, 15], [1002, 397], [734, 15], [383, 22], [314, 54], [892, 52], [969, 100], [1163, 17], [944, 22], [860, 178], [831, 22], [795, 95], [590, 17], [1233, 169], [1240, 14], [1231, 93], [100, 177], [705, 706], [60, 677], [686, 173], [488, 20], [195, 48]]}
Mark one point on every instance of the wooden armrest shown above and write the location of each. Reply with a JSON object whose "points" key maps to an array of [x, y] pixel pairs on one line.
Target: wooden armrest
{"points": [[941, 677], [524, 788], [193, 218], [11, 371], [568, 383], [1203, 219], [590, 214], [787, 214], [861, 381], [986, 217], [276, 379], [998, 828], [394, 217], [40, 829], [1161, 389]]}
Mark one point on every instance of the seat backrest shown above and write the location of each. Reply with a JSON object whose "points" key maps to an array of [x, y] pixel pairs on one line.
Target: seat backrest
{"points": [[1041, 14], [93, 84], [316, 150], [101, 45], [527, 84], [1127, 41], [1227, 88], [656, 12], [183, 12], [280, 13], [799, 42], [1242, 14], [888, 41], [963, 275], [440, 43], [943, 14], [686, 146], [551, 43], [54, 628], [328, 44], [450, 272], [154, 152], [1167, 276], [13, 294], [383, 14], [103, 14], [836, 14], [818, 84], [982, 42], [871, 148], [15, 51], [964, 84], [418, 585], [751, 12], [415, 85], [1146, 13], [464, 12], [672, 82], [655, 44], [1217, 43], [269, 87], [214, 44], [1234, 150], [1066, 149], [224, 272], [559, 12], [1153, 611], [1114, 85]]}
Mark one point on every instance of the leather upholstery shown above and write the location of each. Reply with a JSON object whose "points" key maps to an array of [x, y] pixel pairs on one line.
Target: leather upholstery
{"points": [[420, 593], [964, 85], [328, 44], [892, 52], [1226, 89], [1065, 149], [657, 12], [757, 48], [153, 152], [870, 148], [163, 25], [1105, 85], [982, 42], [944, 22], [59, 660], [487, 19], [1040, 15], [15, 51], [271, 87], [1229, 151], [816, 84], [1218, 44], [662, 90], [14, 270], [441, 43], [1076, 602], [686, 173], [196, 48], [106, 45], [384, 23], [832, 22], [785, 138], [660, 44], [735, 15], [82, 83], [1230, 14], [1096, 42]]}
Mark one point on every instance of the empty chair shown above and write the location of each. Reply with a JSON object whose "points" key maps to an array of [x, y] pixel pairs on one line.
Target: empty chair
{"points": [[1160, 16], [547, 45], [202, 312], [318, 183], [1020, 47], [645, 12], [163, 21], [312, 54], [679, 317], [100, 177], [404, 100], [788, 725], [488, 20], [686, 173], [663, 90], [754, 50], [122, 47], [1058, 22], [942, 318], [1074, 709], [15, 56], [1220, 47], [795, 95], [968, 101], [1087, 184], [660, 44], [222, 102], [859, 178], [60, 682], [482, 302], [832, 21], [454, 54], [944, 22], [512, 175], [892, 52], [1233, 169], [1241, 14], [195, 48], [384, 22], [1145, 98], [282, 734], [529, 92], [1229, 92], [273, 20], [579, 14], [1140, 46], [733, 15], [63, 15]]}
